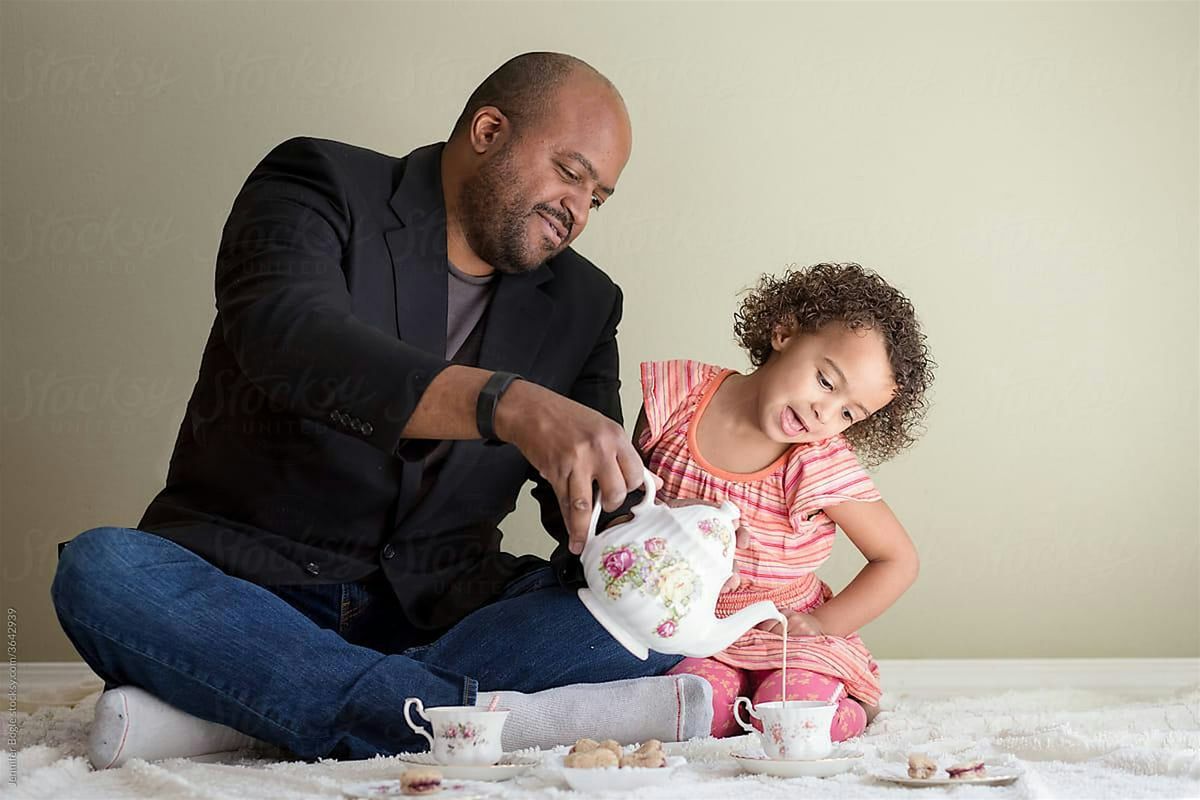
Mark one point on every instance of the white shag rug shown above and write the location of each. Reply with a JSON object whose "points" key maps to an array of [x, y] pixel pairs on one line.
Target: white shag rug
{"points": [[1067, 743]]}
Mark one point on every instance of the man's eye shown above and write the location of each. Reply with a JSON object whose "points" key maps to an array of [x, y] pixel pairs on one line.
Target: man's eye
{"points": [[596, 202], [570, 175]]}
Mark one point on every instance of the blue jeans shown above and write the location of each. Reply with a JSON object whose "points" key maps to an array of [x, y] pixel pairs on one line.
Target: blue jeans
{"points": [[322, 671]]}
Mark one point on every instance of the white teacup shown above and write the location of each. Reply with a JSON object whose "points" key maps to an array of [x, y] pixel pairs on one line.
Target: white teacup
{"points": [[795, 731], [461, 734]]}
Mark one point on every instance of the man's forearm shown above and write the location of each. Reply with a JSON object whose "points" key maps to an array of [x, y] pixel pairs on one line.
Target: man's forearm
{"points": [[447, 408]]}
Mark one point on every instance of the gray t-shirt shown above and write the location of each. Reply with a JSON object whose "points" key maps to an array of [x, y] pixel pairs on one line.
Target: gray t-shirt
{"points": [[466, 315], [467, 300]]}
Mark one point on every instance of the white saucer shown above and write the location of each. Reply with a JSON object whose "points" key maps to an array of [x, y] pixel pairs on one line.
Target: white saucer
{"points": [[510, 766], [618, 779], [996, 775], [835, 763]]}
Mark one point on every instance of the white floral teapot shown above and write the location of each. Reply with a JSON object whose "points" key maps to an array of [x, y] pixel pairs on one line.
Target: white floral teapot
{"points": [[653, 581]]}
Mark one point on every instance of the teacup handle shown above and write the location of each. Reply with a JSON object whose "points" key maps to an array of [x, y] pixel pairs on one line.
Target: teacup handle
{"points": [[737, 714], [409, 703]]}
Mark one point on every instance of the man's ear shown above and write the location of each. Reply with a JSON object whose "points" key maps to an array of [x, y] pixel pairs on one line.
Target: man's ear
{"points": [[489, 127]]}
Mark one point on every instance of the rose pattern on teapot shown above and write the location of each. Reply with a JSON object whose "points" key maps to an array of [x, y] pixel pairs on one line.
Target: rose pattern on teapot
{"points": [[655, 571], [716, 529], [654, 579]]}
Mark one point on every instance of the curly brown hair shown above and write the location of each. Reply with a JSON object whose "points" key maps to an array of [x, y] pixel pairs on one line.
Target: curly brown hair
{"points": [[821, 294]]}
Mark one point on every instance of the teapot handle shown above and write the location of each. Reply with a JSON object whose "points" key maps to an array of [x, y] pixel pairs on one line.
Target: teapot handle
{"points": [[648, 483], [646, 504], [595, 516]]}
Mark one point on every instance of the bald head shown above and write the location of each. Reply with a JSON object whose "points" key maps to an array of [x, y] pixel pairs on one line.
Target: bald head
{"points": [[525, 89], [538, 148]]}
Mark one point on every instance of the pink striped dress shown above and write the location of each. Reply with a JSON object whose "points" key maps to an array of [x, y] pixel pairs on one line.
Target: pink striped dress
{"points": [[782, 507]]}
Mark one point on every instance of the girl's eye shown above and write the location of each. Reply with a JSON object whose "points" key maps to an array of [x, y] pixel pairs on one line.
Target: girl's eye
{"points": [[847, 415], [824, 383]]}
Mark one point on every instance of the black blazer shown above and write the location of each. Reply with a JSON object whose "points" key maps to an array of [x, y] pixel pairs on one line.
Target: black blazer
{"points": [[289, 467]]}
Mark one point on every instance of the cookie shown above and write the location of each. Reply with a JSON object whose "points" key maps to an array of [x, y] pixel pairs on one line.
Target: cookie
{"points": [[920, 766], [599, 758], [613, 746], [649, 756], [651, 760], [584, 746], [421, 780]]}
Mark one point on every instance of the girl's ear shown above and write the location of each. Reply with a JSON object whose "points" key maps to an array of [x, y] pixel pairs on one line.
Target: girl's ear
{"points": [[782, 334]]}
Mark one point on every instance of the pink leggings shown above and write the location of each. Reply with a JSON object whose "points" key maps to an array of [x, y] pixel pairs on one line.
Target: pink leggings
{"points": [[729, 683]]}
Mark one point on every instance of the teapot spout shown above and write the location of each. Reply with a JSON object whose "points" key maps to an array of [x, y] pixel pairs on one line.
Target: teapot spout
{"points": [[728, 630]]}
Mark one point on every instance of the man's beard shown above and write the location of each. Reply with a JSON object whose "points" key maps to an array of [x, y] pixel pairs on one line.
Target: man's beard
{"points": [[494, 217]]}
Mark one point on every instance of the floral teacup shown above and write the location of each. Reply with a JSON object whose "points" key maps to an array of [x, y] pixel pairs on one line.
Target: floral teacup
{"points": [[794, 731], [465, 735]]}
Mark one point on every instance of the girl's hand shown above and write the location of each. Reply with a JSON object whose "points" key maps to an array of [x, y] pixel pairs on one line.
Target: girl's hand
{"points": [[799, 624], [742, 535]]}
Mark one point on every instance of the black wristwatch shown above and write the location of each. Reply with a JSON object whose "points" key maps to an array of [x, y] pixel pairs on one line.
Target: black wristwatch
{"points": [[485, 408]]}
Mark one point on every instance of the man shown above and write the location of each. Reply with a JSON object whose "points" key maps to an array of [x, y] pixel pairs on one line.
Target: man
{"points": [[326, 544]]}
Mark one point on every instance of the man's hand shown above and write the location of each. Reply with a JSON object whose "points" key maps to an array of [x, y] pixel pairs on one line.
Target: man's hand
{"points": [[571, 446], [799, 624]]}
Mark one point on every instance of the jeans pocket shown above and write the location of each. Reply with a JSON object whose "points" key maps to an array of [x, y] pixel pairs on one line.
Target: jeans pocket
{"points": [[416, 653], [532, 581], [321, 603]]}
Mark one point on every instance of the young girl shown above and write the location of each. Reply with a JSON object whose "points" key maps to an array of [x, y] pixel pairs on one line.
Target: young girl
{"points": [[841, 375]]}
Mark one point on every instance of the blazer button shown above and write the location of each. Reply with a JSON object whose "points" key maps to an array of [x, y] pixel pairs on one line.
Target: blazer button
{"points": [[367, 430], [312, 568], [389, 552]]}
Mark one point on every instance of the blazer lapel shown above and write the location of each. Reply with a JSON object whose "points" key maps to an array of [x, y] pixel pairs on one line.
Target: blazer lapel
{"points": [[418, 252], [517, 322]]}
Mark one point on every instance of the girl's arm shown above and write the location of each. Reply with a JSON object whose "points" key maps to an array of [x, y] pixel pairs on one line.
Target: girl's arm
{"points": [[892, 567]]}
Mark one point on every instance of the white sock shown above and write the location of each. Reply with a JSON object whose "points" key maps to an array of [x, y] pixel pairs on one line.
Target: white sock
{"points": [[132, 723], [670, 708]]}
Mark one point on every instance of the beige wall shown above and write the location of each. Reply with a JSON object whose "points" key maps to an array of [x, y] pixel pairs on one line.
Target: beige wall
{"points": [[1026, 172]]}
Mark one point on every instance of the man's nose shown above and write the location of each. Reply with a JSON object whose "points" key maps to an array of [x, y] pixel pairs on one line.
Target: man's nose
{"points": [[577, 210]]}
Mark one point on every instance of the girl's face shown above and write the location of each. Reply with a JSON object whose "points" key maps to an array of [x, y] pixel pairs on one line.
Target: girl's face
{"points": [[815, 385]]}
